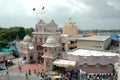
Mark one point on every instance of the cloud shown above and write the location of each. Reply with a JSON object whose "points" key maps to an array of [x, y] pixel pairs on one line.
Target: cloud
{"points": [[88, 14], [114, 3]]}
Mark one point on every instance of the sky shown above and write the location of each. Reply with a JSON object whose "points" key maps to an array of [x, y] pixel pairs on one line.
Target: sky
{"points": [[87, 14]]}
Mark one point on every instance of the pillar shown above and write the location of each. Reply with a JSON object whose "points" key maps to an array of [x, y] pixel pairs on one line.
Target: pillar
{"points": [[51, 64], [44, 64], [66, 46]]}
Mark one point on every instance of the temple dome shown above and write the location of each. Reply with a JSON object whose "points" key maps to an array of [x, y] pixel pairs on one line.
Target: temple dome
{"points": [[51, 42], [27, 38]]}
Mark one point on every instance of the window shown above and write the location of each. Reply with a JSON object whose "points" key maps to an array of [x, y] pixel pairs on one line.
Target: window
{"points": [[97, 46], [31, 57], [85, 65], [109, 65], [24, 58], [97, 65], [40, 28], [44, 29]]}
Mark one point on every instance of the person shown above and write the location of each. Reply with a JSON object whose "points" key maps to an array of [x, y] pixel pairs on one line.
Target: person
{"points": [[38, 73], [34, 71], [7, 72], [29, 72], [26, 75], [20, 68], [113, 71]]}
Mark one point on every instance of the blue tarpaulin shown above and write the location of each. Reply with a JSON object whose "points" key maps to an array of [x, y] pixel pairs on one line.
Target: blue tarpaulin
{"points": [[113, 36], [4, 49]]}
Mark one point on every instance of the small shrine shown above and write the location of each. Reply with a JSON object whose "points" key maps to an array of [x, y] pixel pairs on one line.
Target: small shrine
{"points": [[51, 52]]}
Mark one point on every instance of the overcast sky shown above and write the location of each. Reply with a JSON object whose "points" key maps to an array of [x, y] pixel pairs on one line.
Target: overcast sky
{"points": [[87, 14]]}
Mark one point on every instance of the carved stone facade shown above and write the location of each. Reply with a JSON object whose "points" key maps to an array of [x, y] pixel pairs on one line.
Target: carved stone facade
{"points": [[42, 31], [27, 49], [51, 52], [70, 29]]}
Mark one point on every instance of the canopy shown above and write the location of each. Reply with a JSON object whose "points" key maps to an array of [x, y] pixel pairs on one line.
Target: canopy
{"points": [[64, 63], [57, 77]]}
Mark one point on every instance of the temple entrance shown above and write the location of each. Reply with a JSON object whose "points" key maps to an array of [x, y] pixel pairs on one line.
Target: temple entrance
{"points": [[24, 58], [40, 59], [63, 46], [31, 59]]}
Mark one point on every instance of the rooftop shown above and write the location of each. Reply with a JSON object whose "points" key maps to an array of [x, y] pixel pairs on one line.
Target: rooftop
{"points": [[95, 38], [51, 42], [2, 54], [83, 52]]}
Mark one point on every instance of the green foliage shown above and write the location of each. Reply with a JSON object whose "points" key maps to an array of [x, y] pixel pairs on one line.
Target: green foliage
{"points": [[13, 33], [3, 43], [29, 31]]}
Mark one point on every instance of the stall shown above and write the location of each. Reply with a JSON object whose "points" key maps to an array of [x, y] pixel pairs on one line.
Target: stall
{"points": [[64, 63]]}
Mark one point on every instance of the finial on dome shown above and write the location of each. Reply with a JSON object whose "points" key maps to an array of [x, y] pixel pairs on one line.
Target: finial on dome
{"points": [[70, 20]]}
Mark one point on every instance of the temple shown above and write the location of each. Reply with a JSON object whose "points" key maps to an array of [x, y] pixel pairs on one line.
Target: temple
{"points": [[61, 51]]}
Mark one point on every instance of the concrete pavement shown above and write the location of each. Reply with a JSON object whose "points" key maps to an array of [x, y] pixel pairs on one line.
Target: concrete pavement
{"points": [[15, 74], [18, 77]]}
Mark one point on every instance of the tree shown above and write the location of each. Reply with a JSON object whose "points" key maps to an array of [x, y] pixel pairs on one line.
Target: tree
{"points": [[12, 33], [29, 31], [3, 43]]}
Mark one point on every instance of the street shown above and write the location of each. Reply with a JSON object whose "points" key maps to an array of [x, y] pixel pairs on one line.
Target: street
{"points": [[16, 76]]}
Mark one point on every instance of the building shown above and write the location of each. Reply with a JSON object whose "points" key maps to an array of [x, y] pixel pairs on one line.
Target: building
{"points": [[5, 56], [117, 69], [94, 42], [14, 48], [71, 31], [27, 50], [31, 48], [115, 37], [91, 61], [51, 52], [88, 34], [40, 35]]}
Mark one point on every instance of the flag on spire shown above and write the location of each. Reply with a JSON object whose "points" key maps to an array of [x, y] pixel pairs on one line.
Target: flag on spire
{"points": [[43, 8], [33, 9]]}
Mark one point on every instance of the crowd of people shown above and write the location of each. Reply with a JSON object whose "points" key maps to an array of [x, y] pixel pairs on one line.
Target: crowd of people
{"points": [[74, 75], [99, 76]]}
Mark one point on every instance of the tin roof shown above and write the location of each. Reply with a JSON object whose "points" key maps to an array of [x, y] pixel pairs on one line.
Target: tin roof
{"points": [[95, 38]]}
